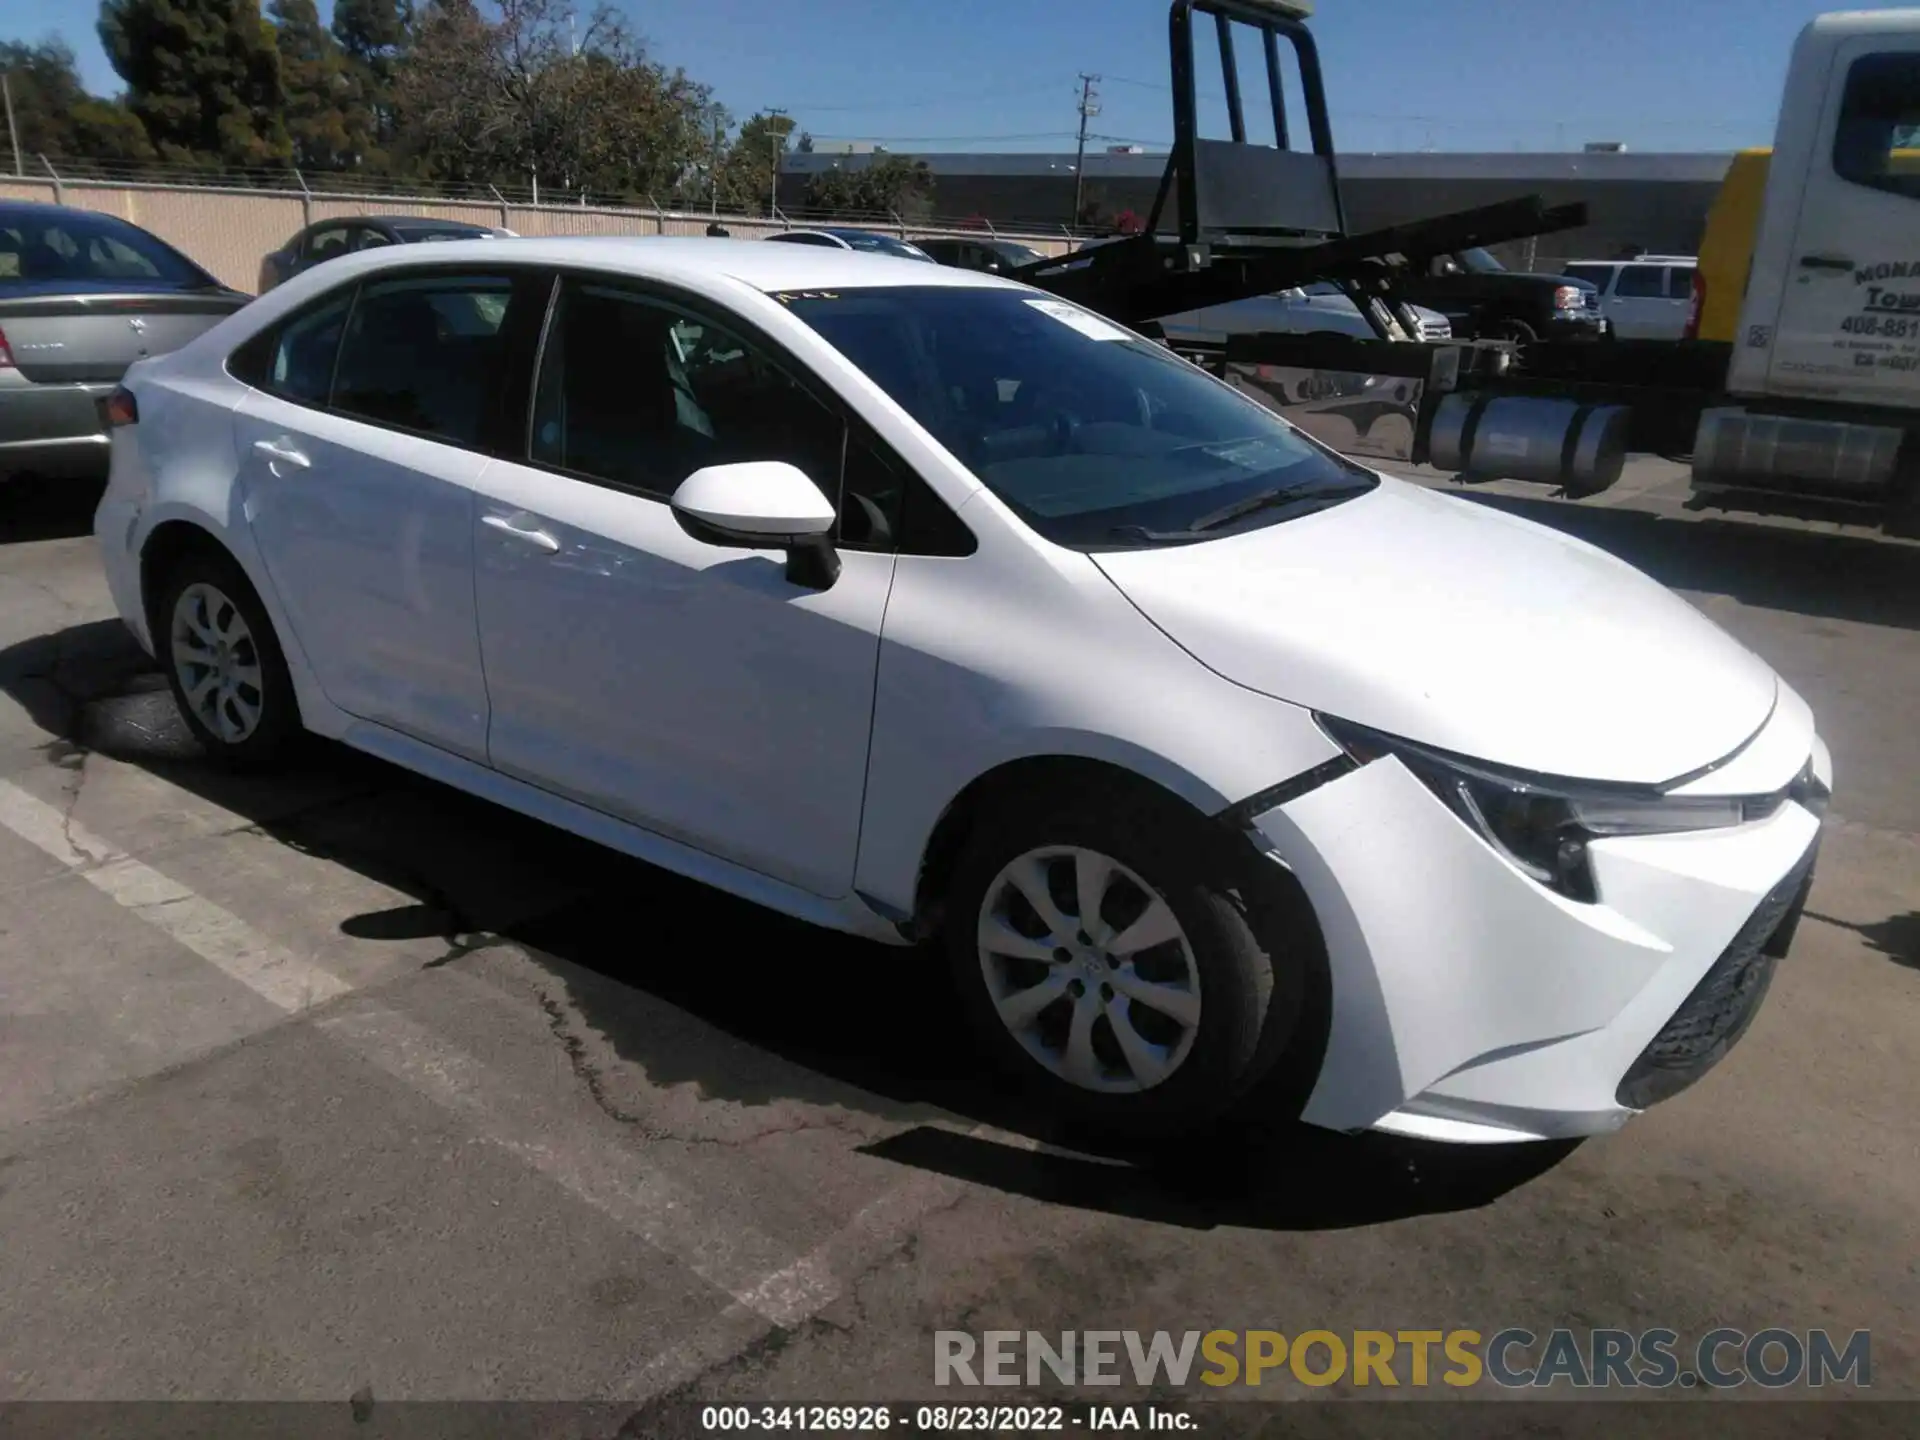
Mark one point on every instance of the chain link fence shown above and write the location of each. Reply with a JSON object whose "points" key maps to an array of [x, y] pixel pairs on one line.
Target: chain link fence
{"points": [[226, 221]]}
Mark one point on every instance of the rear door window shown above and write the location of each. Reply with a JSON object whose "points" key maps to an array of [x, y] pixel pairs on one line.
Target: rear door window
{"points": [[1642, 282], [426, 354]]}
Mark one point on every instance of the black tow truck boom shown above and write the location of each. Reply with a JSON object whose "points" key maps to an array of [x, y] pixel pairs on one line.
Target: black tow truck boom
{"points": [[1235, 219]]}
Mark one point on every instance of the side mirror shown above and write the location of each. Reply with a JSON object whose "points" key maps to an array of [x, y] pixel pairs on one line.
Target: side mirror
{"points": [[762, 505]]}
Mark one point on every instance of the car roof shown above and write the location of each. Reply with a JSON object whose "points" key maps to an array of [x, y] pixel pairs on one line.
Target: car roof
{"points": [[768, 268], [402, 222], [41, 207]]}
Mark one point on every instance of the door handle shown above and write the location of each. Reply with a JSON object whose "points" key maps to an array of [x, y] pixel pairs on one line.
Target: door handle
{"points": [[523, 527], [1824, 262], [283, 450]]}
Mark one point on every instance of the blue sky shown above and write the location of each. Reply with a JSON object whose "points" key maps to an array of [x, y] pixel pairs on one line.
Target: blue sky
{"points": [[1401, 74]]}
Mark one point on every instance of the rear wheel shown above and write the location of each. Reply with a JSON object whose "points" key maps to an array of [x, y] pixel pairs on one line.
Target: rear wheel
{"points": [[223, 661], [1110, 970]]}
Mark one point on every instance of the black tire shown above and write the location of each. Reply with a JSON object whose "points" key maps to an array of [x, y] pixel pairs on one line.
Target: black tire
{"points": [[1516, 331], [1253, 978], [278, 728]]}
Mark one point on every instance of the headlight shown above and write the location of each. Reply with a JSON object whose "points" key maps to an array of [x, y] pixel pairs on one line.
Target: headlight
{"points": [[1569, 297], [1543, 826]]}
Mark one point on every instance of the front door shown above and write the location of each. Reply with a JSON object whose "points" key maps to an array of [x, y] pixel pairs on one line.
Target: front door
{"points": [[689, 689], [357, 477], [1849, 320]]}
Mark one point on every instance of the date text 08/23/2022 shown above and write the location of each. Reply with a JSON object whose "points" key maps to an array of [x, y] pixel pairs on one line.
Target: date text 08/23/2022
{"points": [[940, 1419]]}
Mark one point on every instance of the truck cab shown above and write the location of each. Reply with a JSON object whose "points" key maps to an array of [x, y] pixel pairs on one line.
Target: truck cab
{"points": [[1832, 305]]}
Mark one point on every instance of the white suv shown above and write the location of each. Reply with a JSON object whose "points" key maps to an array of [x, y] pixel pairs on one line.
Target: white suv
{"points": [[923, 605], [1646, 299]]}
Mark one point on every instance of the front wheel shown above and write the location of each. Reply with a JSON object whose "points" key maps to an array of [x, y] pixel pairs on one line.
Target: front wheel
{"points": [[224, 663], [1109, 969]]}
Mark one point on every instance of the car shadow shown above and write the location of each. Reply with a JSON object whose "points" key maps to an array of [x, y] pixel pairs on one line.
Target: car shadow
{"points": [[1809, 572], [821, 1018], [33, 508]]}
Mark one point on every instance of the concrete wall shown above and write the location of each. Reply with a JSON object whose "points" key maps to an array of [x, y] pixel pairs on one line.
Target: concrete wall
{"points": [[1658, 202], [228, 231]]}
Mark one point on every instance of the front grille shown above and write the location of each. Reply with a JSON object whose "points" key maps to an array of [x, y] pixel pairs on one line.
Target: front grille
{"points": [[1725, 1001]]}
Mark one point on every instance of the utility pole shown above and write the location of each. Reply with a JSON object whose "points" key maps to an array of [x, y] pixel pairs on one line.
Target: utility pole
{"points": [[713, 167], [1089, 107], [13, 131], [778, 140]]}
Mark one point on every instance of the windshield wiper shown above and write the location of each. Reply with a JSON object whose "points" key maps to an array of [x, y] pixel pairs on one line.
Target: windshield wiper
{"points": [[1289, 495], [1300, 499]]}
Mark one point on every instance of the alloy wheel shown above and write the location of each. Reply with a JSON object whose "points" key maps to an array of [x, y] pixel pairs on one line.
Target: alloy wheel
{"points": [[217, 662], [1090, 969]]}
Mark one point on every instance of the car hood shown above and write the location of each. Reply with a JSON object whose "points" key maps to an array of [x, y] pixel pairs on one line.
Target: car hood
{"points": [[1464, 628]]}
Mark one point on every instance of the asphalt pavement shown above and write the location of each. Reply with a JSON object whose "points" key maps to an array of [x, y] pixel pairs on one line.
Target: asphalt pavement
{"points": [[341, 1084]]}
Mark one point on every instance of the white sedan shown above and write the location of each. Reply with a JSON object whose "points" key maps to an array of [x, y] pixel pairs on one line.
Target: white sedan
{"points": [[918, 604]]}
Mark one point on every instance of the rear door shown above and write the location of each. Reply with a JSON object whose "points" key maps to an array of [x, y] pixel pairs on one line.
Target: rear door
{"points": [[359, 447], [1849, 318]]}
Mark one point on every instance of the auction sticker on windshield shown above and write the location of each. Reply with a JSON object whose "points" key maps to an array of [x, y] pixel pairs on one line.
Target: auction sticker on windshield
{"points": [[1072, 316]]}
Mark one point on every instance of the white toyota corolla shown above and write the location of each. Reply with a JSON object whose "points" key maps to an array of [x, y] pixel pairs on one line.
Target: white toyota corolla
{"points": [[918, 604]]}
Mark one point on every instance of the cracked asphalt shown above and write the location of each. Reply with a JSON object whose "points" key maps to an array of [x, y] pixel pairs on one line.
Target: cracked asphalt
{"points": [[341, 1086]]}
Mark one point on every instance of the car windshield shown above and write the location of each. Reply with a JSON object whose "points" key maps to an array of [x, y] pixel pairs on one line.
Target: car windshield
{"points": [[881, 244], [1097, 438], [1480, 262], [1014, 254], [87, 249]]}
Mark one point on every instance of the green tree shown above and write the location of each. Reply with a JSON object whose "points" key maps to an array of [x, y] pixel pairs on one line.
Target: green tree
{"points": [[325, 125], [203, 76], [747, 172], [373, 36], [533, 94], [56, 115], [885, 185]]}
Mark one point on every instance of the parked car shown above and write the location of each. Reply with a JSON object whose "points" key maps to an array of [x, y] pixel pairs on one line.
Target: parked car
{"points": [[1486, 301], [1322, 308], [1647, 298], [329, 239], [82, 296], [930, 608], [989, 253], [836, 237]]}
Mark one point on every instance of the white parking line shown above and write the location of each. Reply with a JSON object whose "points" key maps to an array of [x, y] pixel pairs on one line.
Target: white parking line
{"points": [[614, 1179], [217, 936]]}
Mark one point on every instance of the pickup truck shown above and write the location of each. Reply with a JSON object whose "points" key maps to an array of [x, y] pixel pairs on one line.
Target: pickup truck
{"points": [[1483, 300]]}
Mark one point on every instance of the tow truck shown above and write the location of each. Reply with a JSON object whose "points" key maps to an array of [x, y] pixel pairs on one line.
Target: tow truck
{"points": [[1812, 398]]}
